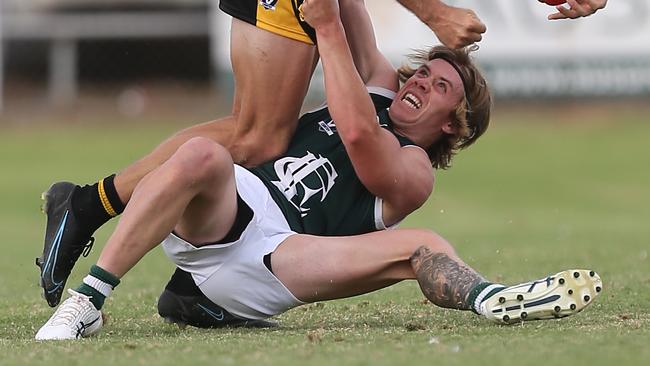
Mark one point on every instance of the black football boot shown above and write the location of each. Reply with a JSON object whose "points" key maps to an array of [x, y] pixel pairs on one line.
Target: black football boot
{"points": [[183, 303], [65, 241]]}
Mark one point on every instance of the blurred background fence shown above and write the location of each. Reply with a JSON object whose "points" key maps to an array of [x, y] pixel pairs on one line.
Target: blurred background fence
{"points": [[50, 49]]}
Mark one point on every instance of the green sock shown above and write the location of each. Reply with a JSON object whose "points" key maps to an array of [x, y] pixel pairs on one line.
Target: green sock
{"points": [[482, 291], [98, 285]]}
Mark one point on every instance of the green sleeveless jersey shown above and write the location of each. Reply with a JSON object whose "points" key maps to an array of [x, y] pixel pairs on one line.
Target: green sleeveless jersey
{"points": [[314, 182]]}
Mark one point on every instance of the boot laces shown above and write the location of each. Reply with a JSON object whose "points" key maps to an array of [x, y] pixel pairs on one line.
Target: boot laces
{"points": [[71, 309], [88, 247]]}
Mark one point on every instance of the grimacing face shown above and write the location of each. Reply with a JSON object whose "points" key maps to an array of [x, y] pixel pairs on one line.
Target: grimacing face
{"points": [[424, 107]]}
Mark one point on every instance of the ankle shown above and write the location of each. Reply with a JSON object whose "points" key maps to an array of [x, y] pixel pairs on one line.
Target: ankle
{"points": [[480, 293], [98, 285], [94, 205]]}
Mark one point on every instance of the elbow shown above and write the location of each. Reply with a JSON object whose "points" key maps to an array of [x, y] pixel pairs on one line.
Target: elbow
{"points": [[419, 199], [409, 200], [355, 133], [358, 136], [353, 137], [421, 194]]}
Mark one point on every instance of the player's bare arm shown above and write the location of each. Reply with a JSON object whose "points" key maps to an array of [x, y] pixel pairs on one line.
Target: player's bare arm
{"points": [[454, 27], [444, 280], [577, 9], [458, 27], [376, 155], [371, 64]]}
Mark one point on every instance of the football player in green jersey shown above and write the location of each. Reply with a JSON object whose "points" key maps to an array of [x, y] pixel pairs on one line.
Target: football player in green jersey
{"points": [[259, 30], [267, 60], [225, 225]]}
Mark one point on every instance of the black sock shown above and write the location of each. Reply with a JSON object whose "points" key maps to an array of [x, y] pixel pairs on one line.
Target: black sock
{"points": [[112, 198], [183, 284], [94, 205]]}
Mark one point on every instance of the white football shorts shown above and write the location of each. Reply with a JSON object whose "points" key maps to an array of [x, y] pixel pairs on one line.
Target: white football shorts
{"points": [[233, 274]]}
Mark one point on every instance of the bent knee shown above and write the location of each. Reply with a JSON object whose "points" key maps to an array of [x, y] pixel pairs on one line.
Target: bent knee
{"points": [[199, 159], [252, 149], [427, 241]]}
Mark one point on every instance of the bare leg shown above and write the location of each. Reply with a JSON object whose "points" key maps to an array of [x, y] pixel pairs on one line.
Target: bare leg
{"points": [[444, 280], [325, 268], [194, 192], [272, 75], [219, 131]]}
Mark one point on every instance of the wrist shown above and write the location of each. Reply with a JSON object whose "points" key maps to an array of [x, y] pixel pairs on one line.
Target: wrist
{"points": [[436, 11], [330, 28]]}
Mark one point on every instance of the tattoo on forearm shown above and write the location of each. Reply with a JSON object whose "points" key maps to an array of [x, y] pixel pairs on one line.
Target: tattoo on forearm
{"points": [[443, 280]]}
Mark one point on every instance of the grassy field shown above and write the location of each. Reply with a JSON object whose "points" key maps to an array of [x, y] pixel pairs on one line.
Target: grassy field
{"points": [[532, 198]]}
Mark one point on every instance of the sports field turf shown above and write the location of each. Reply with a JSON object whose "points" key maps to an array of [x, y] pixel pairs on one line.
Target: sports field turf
{"points": [[532, 198]]}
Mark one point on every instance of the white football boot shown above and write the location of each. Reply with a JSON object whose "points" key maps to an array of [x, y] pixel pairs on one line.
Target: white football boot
{"points": [[563, 294], [76, 317]]}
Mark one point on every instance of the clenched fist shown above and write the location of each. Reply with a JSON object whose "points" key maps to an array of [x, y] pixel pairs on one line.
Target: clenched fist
{"points": [[319, 12], [457, 27]]}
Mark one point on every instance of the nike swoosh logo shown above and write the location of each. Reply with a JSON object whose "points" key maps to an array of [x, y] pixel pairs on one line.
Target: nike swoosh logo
{"points": [[51, 259], [218, 316]]}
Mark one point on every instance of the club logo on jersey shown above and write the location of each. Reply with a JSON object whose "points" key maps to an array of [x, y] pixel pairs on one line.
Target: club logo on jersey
{"points": [[327, 126], [301, 179], [268, 4]]}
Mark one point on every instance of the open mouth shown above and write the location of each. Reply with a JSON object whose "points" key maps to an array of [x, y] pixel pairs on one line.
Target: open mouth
{"points": [[412, 101]]}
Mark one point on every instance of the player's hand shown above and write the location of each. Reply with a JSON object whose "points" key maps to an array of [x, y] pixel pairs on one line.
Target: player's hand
{"points": [[577, 9], [320, 12], [456, 27]]}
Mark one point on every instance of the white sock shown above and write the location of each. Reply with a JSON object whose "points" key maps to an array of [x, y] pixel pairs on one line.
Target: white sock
{"points": [[99, 285], [482, 297]]}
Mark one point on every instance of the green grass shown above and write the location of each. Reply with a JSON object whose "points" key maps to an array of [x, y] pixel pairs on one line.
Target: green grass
{"points": [[531, 198]]}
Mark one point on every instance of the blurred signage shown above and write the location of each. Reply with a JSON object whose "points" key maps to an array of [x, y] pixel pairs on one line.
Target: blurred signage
{"points": [[524, 54]]}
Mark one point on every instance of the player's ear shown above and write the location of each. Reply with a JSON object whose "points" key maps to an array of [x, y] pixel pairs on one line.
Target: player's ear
{"points": [[450, 128]]}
